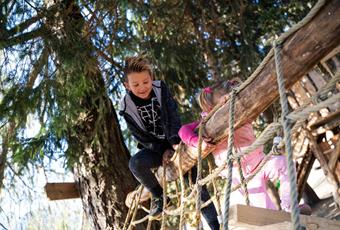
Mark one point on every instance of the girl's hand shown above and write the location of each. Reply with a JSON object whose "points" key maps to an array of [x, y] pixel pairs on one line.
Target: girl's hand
{"points": [[167, 156], [206, 145]]}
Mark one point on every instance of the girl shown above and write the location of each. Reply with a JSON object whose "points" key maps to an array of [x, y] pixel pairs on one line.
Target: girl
{"points": [[274, 169]]}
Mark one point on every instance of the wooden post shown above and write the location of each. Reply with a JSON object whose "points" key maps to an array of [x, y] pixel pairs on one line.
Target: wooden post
{"points": [[323, 163]]}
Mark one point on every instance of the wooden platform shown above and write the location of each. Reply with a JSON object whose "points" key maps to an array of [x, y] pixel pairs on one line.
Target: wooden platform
{"points": [[246, 217], [61, 191]]}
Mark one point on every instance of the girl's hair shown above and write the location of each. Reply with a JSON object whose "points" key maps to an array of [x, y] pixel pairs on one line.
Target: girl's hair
{"points": [[137, 64], [208, 96]]}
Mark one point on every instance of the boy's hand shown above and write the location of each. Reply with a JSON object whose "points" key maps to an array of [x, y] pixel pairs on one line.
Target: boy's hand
{"points": [[167, 156]]}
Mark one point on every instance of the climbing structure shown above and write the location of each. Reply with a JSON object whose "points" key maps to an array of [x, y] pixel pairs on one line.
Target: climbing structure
{"points": [[314, 97]]}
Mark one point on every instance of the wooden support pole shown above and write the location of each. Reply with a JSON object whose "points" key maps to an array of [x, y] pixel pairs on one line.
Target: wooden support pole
{"points": [[323, 163], [61, 191], [304, 171]]}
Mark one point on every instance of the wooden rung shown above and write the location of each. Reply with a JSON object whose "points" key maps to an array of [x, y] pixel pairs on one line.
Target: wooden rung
{"points": [[242, 214], [332, 120], [61, 191]]}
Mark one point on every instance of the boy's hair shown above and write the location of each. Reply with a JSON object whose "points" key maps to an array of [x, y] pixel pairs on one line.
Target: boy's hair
{"points": [[207, 95], [137, 64]]}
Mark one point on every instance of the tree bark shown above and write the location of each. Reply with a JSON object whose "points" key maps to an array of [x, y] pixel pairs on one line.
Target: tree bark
{"points": [[102, 171]]}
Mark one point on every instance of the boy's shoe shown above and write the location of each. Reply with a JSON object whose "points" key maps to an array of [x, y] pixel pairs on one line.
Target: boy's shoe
{"points": [[157, 206], [305, 209]]}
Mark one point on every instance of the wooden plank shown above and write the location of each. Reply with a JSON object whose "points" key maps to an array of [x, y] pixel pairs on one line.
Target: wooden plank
{"points": [[61, 191], [334, 158], [330, 121], [331, 54], [318, 80], [303, 172], [300, 93], [265, 217], [308, 86]]}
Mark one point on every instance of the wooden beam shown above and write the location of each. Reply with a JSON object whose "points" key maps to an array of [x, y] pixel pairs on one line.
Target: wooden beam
{"points": [[330, 121], [242, 214], [61, 191], [300, 52]]}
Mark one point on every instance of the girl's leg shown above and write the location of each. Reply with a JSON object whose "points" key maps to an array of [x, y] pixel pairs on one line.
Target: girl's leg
{"points": [[276, 169], [141, 164], [209, 212]]}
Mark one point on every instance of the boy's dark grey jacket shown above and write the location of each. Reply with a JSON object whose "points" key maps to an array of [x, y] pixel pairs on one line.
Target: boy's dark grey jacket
{"points": [[169, 116]]}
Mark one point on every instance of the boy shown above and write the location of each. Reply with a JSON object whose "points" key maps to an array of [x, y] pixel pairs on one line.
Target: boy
{"points": [[151, 115]]}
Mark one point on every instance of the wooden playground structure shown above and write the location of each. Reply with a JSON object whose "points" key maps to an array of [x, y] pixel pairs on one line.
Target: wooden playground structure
{"points": [[310, 66]]}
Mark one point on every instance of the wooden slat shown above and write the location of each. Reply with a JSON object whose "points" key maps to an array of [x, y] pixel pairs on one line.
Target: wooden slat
{"points": [[308, 86], [242, 214], [300, 93], [60, 191], [318, 80], [331, 54], [330, 121]]}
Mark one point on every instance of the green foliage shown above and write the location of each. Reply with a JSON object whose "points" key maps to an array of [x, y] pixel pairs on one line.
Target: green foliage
{"points": [[190, 44]]}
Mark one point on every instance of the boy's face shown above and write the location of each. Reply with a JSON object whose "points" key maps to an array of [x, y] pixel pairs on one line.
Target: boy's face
{"points": [[140, 84]]}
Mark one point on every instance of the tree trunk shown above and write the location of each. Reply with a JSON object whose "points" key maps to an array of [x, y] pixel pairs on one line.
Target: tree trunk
{"points": [[102, 171]]}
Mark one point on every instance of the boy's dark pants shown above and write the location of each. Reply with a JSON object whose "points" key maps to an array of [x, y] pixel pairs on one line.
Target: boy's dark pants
{"points": [[141, 164]]}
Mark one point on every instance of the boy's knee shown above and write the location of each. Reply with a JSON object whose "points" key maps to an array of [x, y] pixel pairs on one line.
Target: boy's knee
{"points": [[134, 164]]}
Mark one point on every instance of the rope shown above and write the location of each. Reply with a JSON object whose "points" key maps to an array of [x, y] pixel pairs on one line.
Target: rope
{"points": [[230, 165], [135, 208], [219, 212], [287, 137], [322, 92], [164, 196], [267, 134], [244, 185], [246, 180], [297, 115], [181, 220], [199, 171]]}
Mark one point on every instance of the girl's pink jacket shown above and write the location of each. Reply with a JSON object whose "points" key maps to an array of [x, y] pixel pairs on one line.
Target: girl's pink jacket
{"points": [[243, 137]]}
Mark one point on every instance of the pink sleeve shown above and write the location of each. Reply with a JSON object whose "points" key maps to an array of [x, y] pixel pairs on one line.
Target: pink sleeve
{"points": [[188, 135]]}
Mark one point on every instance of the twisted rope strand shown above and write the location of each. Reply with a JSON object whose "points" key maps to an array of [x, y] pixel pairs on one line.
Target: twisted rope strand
{"points": [[287, 137], [230, 165]]}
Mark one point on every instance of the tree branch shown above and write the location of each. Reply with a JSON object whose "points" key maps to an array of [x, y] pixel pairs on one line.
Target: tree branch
{"points": [[37, 67], [6, 43]]}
